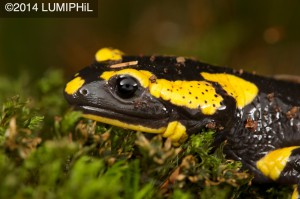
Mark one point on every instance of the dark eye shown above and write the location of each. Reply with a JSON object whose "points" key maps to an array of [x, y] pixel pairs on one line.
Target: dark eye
{"points": [[126, 86]]}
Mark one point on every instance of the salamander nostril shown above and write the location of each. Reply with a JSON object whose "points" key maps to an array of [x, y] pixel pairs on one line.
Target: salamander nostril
{"points": [[84, 92]]}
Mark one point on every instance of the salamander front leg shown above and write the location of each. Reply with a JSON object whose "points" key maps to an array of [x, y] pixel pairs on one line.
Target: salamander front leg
{"points": [[175, 131]]}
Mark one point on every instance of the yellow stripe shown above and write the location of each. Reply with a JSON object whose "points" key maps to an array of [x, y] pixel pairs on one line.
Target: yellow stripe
{"points": [[243, 91], [272, 164], [175, 130], [124, 125], [73, 85]]}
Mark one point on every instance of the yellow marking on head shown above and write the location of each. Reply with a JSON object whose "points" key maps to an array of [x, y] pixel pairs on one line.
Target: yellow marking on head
{"points": [[175, 131], [272, 164], [295, 193], [108, 54], [191, 94], [141, 75], [73, 85], [123, 124], [243, 91]]}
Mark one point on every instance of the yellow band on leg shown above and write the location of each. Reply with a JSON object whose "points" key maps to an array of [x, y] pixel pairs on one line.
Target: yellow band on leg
{"points": [[175, 131]]}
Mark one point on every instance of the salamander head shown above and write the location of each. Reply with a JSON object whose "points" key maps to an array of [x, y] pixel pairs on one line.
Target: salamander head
{"points": [[117, 97]]}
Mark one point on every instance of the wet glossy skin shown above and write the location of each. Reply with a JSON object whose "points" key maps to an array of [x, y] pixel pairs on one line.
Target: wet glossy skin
{"points": [[268, 122]]}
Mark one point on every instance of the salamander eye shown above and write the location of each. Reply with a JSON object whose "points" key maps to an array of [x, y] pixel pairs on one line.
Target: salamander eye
{"points": [[126, 86]]}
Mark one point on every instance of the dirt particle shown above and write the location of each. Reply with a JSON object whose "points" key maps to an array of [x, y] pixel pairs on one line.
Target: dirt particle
{"points": [[153, 78], [211, 125], [251, 124], [152, 58], [124, 64], [271, 96], [241, 71], [292, 113], [180, 60]]}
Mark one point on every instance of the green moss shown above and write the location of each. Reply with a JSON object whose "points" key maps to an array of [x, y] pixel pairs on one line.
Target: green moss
{"points": [[49, 151]]}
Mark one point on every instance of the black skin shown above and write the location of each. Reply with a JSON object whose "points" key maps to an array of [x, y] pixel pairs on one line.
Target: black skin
{"points": [[270, 122]]}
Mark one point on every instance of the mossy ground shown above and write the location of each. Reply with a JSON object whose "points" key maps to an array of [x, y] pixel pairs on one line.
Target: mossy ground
{"points": [[49, 151]]}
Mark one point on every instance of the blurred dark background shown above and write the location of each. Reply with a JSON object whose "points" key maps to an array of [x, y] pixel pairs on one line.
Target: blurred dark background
{"points": [[260, 36]]}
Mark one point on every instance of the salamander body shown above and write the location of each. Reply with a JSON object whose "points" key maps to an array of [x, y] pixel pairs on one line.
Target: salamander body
{"points": [[176, 97]]}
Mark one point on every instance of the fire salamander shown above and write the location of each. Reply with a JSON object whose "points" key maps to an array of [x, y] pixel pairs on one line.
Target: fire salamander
{"points": [[175, 96]]}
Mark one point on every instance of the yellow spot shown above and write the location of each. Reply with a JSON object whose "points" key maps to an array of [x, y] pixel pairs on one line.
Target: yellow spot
{"points": [[295, 193], [141, 75], [73, 85], [108, 54], [191, 94], [175, 131], [272, 164], [243, 91], [124, 125]]}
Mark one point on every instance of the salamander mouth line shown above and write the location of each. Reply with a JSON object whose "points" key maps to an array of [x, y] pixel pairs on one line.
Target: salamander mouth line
{"points": [[115, 114], [156, 125]]}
